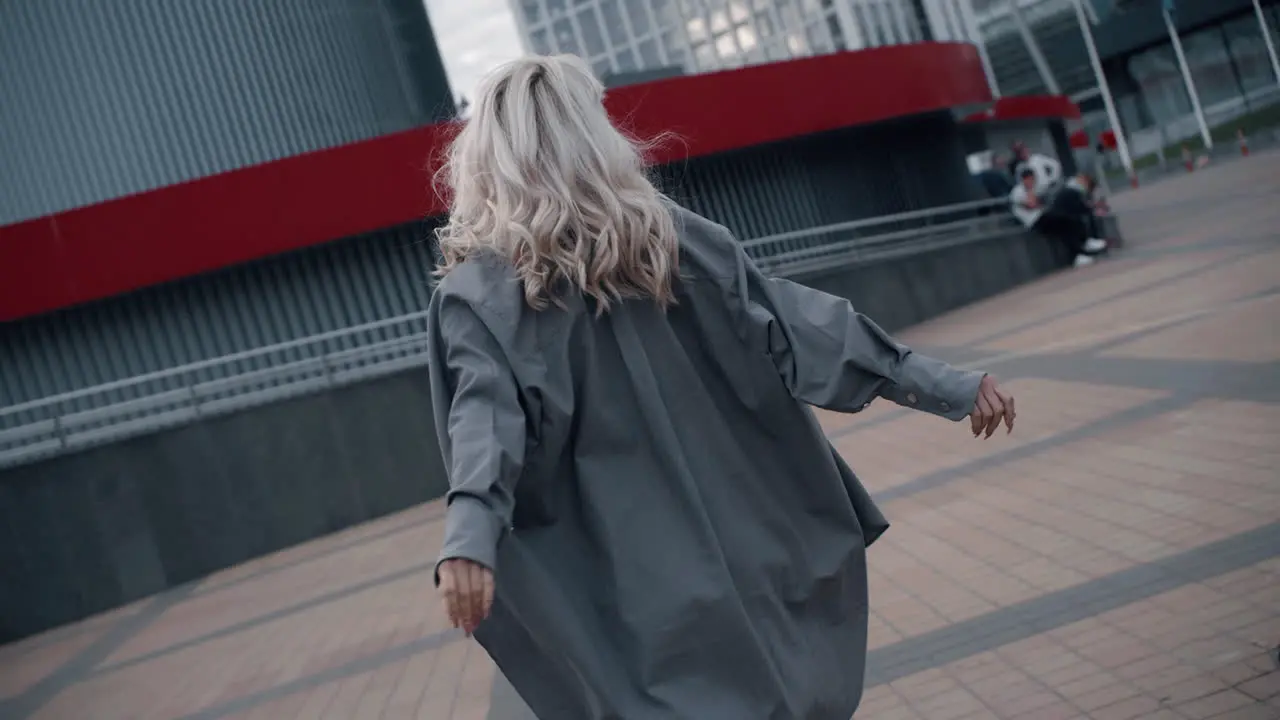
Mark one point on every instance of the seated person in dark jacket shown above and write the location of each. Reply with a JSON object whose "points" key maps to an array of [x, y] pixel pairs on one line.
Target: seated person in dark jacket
{"points": [[1076, 199], [1065, 217]]}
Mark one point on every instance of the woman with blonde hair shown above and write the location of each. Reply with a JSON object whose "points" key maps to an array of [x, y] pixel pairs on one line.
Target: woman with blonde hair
{"points": [[644, 518]]}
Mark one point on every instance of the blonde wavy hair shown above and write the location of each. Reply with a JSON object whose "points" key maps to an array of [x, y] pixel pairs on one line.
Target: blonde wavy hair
{"points": [[539, 175]]}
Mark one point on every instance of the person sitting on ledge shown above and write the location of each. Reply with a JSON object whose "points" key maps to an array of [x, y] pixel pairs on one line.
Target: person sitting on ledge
{"points": [[1059, 217]]}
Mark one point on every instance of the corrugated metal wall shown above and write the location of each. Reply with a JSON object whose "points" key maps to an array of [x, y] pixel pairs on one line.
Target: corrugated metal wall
{"points": [[330, 287], [100, 99], [802, 183]]}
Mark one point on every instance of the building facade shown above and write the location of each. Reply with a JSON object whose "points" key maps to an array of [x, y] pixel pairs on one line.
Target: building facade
{"points": [[1223, 41], [104, 99], [625, 36]]}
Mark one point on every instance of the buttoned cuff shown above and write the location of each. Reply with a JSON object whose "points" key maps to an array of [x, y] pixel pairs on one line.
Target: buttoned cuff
{"points": [[471, 532], [935, 387]]}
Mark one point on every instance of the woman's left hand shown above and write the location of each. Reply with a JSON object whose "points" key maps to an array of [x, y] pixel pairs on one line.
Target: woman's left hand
{"points": [[467, 588]]}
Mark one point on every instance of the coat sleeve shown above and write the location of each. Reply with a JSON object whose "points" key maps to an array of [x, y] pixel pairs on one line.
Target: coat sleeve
{"points": [[833, 357], [481, 428]]}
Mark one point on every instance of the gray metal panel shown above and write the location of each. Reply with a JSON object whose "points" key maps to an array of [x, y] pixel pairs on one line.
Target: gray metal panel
{"points": [[103, 99], [330, 287]]}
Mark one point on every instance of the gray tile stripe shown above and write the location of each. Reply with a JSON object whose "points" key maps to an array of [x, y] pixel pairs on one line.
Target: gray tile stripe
{"points": [[934, 480], [322, 554], [346, 670], [1221, 379], [265, 618], [1103, 301], [1059, 609], [74, 670]]}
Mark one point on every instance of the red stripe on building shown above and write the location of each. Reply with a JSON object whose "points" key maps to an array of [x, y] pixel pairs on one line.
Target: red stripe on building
{"points": [[1028, 107], [214, 222]]}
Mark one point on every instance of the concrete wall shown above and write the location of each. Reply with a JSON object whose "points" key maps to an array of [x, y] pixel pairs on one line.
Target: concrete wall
{"points": [[90, 531], [93, 530], [901, 292]]}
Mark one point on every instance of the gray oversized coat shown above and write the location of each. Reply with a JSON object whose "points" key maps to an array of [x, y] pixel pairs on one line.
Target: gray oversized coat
{"points": [[672, 535]]}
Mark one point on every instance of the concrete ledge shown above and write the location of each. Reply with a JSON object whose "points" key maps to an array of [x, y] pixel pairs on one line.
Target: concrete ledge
{"points": [[94, 530], [904, 291]]}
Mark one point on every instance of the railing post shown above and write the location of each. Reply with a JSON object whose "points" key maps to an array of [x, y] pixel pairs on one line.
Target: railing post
{"points": [[328, 370], [60, 431], [195, 399]]}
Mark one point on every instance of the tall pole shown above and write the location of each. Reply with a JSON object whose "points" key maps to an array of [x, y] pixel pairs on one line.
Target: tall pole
{"points": [[1266, 36], [974, 33], [1033, 49], [1122, 145], [1186, 78]]}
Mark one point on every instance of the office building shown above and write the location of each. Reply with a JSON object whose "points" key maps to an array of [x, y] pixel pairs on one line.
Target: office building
{"points": [[625, 36], [104, 99]]}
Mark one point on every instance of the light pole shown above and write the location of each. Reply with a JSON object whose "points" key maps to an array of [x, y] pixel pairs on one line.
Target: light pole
{"points": [[1122, 145]]}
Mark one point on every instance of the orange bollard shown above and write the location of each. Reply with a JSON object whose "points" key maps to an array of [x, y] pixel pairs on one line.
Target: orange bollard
{"points": [[1133, 181], [1188, 160], [1244, 142]]}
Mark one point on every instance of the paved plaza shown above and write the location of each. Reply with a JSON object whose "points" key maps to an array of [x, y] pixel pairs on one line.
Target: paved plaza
{"points": [[1117, 557]]}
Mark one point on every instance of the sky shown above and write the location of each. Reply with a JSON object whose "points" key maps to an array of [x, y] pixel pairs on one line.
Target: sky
{"points": [[474, 36]]}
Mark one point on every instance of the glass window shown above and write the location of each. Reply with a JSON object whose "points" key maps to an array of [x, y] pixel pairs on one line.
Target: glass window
{"points": [[1210, 65], [764, 25], [589, 26], [817, 37], [677, 57], [613, 23], [797, 45], [1249, 51], [790, 18], [562, 34], [626, 61], [555, 8], [665, 11], [705, 56], [671, 40], [837, 35], [1160, 82], [532, 10], [649, 56], [697, 30], [639, 17], [719, 22], [602, 67], [725, 46], [1273, 24], [540, 42], [747, 38], [738, 12]]}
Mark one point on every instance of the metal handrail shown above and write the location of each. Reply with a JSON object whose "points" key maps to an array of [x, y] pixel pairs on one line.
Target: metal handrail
{"points": [[877, 220], [212, 362], [180, 394]]}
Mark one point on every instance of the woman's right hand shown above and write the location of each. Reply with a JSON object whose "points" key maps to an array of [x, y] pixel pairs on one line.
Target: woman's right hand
{"points": [[467, 588], [992, 406]]}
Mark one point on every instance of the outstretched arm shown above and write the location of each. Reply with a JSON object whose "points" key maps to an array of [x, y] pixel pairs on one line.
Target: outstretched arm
{"points": [[832, 356]]}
